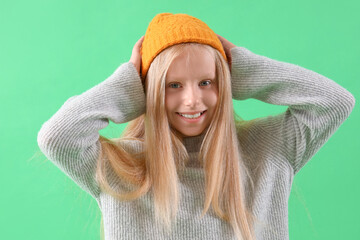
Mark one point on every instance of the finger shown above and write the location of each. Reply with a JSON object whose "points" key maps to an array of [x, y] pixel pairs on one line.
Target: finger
{"points": [[139, 42], [220, 38]]}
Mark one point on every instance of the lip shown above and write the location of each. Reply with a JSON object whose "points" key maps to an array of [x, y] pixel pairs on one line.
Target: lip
{"points": [[191, 113]]}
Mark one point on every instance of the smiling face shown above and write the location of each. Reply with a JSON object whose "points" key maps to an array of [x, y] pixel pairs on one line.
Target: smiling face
{"points": [[190, 90]]}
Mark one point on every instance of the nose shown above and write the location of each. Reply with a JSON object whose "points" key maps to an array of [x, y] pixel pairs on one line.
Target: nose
{"points": [[192, 96]]}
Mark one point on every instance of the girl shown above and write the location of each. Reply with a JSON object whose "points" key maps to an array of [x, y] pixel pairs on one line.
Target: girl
{"points": [[184, 148]]}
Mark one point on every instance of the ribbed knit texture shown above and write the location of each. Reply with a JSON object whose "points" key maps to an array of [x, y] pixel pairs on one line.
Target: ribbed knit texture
{"points": [[167, 29], [275, 148]]}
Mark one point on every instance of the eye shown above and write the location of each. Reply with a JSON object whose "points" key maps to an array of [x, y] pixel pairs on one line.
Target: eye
{"points": [[174, 85], [177, 85], [207, 82]]}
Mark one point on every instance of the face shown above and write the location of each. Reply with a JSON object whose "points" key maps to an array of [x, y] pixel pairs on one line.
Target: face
{"points": [[191, 93]]}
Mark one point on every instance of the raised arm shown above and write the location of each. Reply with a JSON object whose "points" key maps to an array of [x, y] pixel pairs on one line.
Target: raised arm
{"points": [[317, 105], [70, 138]]}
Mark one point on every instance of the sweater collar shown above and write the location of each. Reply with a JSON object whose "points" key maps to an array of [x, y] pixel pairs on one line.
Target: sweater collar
{"points": [[193, 143]]}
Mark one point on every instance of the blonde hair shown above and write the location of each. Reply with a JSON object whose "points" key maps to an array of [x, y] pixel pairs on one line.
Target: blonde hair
{"points": [[164, 154]]}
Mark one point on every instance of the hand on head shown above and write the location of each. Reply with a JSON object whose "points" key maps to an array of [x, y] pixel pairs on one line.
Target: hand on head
{"points": [[136, 56], [227, 45]]}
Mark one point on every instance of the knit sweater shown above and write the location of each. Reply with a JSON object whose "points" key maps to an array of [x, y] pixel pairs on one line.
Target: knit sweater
{"points": [[274, 148]]}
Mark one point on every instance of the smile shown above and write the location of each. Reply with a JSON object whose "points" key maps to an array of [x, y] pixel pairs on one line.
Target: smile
{"points": [[194, 116]]}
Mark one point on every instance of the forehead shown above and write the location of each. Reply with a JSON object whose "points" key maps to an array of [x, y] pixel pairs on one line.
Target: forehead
{"points": [[192, 64]]}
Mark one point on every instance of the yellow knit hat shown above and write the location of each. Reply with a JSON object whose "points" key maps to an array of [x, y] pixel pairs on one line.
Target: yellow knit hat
{"points": [[167, 29]]}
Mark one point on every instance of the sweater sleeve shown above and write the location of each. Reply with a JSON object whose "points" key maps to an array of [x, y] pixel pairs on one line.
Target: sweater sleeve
{"points": [[70, 138], [317, 106]]}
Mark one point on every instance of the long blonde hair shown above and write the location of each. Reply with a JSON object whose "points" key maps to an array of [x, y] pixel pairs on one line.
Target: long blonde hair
{"points": [[156, 165]]}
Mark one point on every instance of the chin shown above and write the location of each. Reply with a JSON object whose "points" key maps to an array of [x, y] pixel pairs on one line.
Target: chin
{"points": [[192, 134]]}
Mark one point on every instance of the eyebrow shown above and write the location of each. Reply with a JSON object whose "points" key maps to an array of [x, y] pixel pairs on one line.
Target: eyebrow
{"points": [[207, 76]]}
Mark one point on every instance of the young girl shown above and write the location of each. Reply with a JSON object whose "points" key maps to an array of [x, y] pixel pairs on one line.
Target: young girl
{"points": [[184, 148]]}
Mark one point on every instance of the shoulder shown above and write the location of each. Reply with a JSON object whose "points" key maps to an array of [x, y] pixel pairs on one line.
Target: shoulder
{"points": [[245, 130], [130, 145], [258, 143]]}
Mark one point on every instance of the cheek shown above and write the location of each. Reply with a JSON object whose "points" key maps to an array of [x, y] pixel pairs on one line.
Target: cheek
{"points": [[212, 98], [169, 102]]}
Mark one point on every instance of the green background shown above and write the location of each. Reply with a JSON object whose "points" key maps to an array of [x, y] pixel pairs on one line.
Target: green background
{"points": [[52, 50]]}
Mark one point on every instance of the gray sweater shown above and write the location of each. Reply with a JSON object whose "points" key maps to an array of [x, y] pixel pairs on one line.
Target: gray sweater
{"points": [[275, 148]]}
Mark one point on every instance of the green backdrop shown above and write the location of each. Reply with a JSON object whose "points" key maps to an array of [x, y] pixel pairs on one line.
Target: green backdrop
{"points": [[51, 50]]}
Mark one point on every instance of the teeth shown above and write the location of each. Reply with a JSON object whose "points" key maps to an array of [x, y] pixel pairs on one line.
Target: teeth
{"points": [[191, 116]]}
